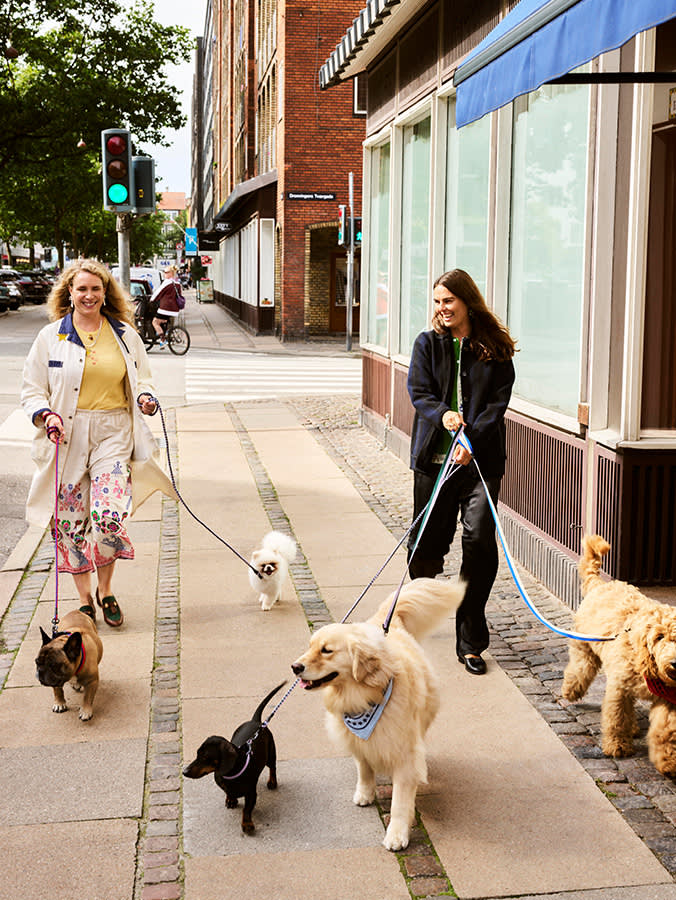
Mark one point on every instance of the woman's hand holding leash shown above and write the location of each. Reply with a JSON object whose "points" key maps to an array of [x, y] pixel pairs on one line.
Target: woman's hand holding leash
{"points": [[54, 427], [147, 404], [452, 421]]}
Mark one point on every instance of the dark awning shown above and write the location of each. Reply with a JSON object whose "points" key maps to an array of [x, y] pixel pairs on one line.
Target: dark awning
{"points": [[541, 40], [242, 191]]}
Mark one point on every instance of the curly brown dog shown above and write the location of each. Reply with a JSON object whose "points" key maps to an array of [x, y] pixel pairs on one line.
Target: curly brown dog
{"points": [[640, 664]]}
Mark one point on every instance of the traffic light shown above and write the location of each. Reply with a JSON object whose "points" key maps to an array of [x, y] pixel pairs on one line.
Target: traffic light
{"points": [[118, 177], [357, 230], [143, 170], [343, 227]]}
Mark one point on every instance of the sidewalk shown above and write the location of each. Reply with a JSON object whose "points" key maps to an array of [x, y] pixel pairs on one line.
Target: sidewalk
{"points": [[520, 801]]}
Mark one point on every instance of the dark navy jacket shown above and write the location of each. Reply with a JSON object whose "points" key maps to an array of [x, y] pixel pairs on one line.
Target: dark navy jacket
{"points": [[485, 389]]}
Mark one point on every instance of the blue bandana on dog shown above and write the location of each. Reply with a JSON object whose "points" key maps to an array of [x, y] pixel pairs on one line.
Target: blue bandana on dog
{"points": [[363, 724]]}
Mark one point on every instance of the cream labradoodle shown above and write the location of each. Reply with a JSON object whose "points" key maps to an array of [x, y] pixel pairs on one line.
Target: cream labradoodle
{"points": [[640, 664]]}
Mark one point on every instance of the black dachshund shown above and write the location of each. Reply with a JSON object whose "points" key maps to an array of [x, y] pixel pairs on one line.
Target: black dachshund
{"points": [[237, 764]]}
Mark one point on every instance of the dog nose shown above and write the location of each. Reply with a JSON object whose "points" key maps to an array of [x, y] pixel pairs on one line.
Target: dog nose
{"points": [[297, 668]]}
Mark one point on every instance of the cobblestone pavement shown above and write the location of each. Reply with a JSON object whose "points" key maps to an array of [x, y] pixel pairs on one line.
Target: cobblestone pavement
{"points": [[532, 655]]}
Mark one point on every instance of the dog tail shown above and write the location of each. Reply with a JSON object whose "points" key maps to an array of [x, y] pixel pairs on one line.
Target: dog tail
{"points": [[258, 715], [280, 543], [422, 605], [594, 548]]}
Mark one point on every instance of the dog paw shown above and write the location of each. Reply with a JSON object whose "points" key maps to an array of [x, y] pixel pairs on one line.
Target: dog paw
{"points": [[231, 802], [248, 827], [617, 749], [363, 797], [59, 707], [85, 716], [396, 836]]}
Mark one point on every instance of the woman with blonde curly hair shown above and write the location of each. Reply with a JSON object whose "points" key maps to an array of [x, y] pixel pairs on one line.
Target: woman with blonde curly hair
{"points": [[86, 387], [461, 374]]}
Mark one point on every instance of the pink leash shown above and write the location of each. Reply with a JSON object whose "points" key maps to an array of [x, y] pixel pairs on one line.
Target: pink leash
{"points": [[55, 620]]}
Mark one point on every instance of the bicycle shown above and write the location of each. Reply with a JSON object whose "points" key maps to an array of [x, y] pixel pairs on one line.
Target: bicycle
{"points": [[177, 337]]}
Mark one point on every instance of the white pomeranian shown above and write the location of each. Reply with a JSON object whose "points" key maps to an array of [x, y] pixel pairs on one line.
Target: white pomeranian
{"points": [[272, 561]]}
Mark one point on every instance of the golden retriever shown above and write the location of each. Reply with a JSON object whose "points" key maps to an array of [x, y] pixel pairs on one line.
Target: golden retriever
{"points": [[639, 664], [354, 666]]}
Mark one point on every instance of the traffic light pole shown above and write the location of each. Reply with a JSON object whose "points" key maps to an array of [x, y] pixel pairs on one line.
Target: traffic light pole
{"points": [[349, 287], [123, 227]]}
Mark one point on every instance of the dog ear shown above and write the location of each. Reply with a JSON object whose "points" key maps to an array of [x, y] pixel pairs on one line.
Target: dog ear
{"points": [[45, 637], [228, 756], [73, 646], [367, 665]]}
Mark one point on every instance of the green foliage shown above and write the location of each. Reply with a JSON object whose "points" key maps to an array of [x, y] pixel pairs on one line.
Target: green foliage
{"points": [[82, 67]]}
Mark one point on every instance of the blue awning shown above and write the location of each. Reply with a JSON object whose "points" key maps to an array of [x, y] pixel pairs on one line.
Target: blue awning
{"points": [[540, 40]]}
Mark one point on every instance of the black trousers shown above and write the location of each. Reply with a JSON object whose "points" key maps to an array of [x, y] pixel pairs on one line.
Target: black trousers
{"points": [[462, 496]]}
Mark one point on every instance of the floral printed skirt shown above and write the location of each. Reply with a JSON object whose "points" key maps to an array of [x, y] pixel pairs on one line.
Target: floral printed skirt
{"points": [[95, 492]]}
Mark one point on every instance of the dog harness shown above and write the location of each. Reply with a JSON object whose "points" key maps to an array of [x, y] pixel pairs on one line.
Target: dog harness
{"points": [[363, 724], [660, 689]]}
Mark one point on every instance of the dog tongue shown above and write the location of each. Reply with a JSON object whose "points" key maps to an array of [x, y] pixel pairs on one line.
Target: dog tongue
{"points": [[305, 684]]}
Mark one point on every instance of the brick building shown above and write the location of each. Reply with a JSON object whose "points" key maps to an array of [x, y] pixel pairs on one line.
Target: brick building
{"points": [[282, 153]]}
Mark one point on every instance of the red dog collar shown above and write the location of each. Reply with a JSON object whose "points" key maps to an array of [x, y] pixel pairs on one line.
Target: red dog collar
{"points": [[660, 689]]}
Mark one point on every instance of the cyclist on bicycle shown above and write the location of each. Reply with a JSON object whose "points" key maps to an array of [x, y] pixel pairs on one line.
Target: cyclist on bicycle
{"points": [[169, 301]]}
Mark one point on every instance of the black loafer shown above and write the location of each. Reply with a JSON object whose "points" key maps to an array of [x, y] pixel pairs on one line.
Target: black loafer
{"points": [[474, 664]]}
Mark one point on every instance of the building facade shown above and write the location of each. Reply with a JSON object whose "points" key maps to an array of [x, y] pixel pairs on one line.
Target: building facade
{"points": [[561, 204], [281, 159]]}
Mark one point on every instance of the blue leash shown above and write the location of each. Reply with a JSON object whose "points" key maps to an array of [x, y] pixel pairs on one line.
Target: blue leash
{"points": [[573, 635]]}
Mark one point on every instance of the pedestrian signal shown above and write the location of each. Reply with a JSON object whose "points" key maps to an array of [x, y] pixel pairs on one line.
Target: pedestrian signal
{"points": [[357, 230], [118, 179], [343, 227]]}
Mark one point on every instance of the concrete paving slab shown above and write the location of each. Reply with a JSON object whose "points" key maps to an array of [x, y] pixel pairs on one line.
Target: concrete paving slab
{"points": [[289, 455], [72, 782], [638, 892], [297, 726], [295, 818], [88, 859], [207, 417], [362, 874], [509, 801], [339, 599], [120, 712], [256, 417]]}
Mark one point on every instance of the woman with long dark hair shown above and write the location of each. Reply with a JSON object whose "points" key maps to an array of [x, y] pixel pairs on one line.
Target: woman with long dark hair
{"points": [[461, 374]]}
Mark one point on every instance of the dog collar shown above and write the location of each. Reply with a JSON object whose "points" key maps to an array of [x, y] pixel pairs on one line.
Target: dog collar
{"points": [[84, 654], [660, 689], [362, 725], [243, 769]]}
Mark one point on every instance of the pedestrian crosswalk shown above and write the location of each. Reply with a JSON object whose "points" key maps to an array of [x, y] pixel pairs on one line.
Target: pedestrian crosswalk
{"points": [[255, 377]]}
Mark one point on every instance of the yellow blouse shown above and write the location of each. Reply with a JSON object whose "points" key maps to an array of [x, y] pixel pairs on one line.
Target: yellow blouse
{"points": [[103, 379]]}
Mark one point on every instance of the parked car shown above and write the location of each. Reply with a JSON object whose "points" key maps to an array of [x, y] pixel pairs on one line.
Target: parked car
{"points": [[10, 277], [15, 295], [4, 297], [37, 286]]}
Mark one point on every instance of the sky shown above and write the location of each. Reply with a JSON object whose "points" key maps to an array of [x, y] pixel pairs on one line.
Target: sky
{"points": [[172, 165]]}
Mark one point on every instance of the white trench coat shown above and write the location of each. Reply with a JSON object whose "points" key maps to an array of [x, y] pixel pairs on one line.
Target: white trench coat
{"points": [[52, 376]]}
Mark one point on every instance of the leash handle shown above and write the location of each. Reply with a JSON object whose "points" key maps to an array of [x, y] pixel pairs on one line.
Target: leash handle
{"points": [[178, 493]]}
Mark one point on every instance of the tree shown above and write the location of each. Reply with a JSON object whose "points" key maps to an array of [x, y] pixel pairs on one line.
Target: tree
{"points": [[82, 67]]}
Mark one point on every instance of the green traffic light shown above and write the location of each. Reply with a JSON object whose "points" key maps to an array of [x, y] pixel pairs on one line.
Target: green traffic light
{"points": [[117, 193]]}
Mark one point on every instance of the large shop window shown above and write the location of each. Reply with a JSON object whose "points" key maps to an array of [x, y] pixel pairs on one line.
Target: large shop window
{"points": [[467, 165], [415, 233], [546, 259], [379, 247]]}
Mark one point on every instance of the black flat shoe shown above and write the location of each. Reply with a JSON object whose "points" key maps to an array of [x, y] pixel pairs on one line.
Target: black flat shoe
{"points": [[474, 664]]}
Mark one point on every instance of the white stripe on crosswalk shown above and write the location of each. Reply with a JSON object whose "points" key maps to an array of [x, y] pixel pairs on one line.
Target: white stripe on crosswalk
{"points": [[258, 377]]}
